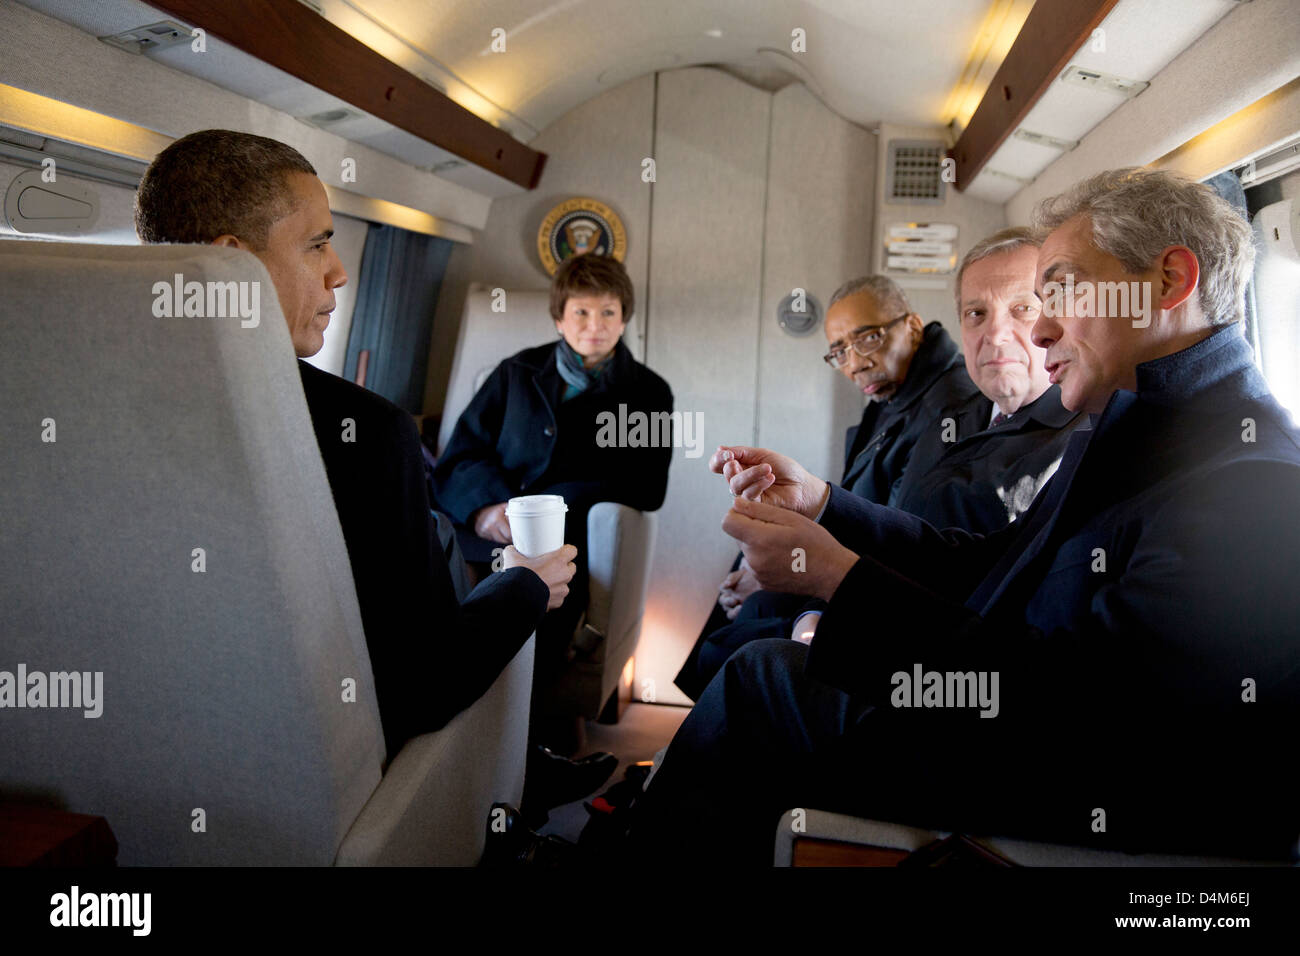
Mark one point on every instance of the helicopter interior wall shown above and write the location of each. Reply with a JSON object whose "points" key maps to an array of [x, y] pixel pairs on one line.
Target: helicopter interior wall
{"points": [[151, 95], [116, 207], [931, 297], [1239, 61], [756, 193], [594, 150], [115, 225]]}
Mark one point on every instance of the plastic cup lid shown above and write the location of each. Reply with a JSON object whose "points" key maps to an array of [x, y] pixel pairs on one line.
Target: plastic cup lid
{"points": [[529, 505]]}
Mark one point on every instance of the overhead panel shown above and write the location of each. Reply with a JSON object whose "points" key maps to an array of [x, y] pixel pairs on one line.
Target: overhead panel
{"points": [[293, 38], [1054, 30], [1114, 63]]}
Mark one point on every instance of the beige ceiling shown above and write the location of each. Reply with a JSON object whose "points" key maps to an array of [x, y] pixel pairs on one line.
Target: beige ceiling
{"points": [[896, 61], [869, 60]]}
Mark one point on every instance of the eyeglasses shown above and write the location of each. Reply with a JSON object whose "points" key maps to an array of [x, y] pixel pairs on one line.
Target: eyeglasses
{"points": [[864, 343]]}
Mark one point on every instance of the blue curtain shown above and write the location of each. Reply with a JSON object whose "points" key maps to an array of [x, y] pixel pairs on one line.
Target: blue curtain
{"points": [[401, 277]]}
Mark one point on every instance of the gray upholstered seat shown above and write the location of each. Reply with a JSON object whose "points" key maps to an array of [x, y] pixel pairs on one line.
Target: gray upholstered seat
{"points": [[620, 540], [167, 523]]}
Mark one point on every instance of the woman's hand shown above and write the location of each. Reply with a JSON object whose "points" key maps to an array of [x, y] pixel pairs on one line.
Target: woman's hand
{"points": [[491, 523]]}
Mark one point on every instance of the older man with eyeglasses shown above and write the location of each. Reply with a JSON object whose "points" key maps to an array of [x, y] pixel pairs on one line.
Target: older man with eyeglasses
{"points": [[912, 375], [1141, 620]]}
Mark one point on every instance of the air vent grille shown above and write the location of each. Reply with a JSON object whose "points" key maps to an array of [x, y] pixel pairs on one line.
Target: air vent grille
{"points": [[914, 172]]}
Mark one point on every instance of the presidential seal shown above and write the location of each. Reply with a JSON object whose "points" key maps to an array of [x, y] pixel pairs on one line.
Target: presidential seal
{"points": [[576, 227]]}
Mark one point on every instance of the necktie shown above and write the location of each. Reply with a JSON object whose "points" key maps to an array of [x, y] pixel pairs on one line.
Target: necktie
{"points": [[999, 418]]}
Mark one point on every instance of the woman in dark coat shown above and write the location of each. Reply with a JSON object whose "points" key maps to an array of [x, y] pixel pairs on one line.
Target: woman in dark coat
{"points": [[547, 421]]}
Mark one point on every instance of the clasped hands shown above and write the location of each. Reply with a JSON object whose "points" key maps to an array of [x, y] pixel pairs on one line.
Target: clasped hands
{"points": [[772, 515]]}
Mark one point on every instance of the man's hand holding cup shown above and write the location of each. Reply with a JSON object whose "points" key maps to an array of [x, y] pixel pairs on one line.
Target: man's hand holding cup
{"points": [[537, 528]]}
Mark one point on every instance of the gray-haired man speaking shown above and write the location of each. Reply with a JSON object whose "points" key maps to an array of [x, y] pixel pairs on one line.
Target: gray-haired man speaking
{"points": [[1142, 617]]}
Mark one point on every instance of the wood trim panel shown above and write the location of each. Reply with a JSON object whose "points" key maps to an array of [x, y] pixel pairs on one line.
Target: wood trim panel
{"points": [[1052, 33], [293, 38], [813, 851]]}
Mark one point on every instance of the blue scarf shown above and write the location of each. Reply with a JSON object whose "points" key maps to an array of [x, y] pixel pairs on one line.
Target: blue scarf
{"points": [[577, 378]]}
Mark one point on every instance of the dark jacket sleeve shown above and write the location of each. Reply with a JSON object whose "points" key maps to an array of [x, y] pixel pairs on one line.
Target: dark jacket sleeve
{"points": [[646, 474], [431, 656], [636, 477], [1206, 598], [1132, 701], [949, 561], [469, 475]]}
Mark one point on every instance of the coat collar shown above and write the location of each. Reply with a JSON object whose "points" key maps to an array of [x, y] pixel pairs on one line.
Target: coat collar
{"points": [[1046, 410], [541, 364], [543, 359], [1207, 377], [934, 356], [1220, 367]]}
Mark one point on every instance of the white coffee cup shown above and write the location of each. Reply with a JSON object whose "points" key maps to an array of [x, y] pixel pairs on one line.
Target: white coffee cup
{"points": [[536, 523]]}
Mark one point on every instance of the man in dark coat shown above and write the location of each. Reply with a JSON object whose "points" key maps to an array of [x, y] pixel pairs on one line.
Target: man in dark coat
{"points": [[981, 465], [911, 374], [1137, 625], [431, 656], [975, 466]]}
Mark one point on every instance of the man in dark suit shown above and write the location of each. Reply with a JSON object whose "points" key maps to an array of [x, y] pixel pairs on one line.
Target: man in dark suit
{"points": [[975, 466], [910, 373], [431, 656], [1135, 627], [981, 465]]}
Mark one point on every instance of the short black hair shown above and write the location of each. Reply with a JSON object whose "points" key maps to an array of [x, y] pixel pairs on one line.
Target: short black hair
{"points": [[217, 182]]}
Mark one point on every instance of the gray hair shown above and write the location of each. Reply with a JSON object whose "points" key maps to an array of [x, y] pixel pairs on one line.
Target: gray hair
{"points": [[889, 298], [1004, 240], [1137, 213]]}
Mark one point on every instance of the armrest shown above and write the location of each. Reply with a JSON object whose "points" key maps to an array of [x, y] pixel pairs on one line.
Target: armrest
{"points": [[620, 543], [840, 828], [431, 807]]}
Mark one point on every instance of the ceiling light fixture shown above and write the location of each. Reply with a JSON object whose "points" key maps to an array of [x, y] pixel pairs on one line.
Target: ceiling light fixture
{"points": [[1096, 80], [992, 41], [1042, 139]]}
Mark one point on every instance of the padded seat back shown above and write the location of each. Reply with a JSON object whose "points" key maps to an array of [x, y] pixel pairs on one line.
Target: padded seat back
{"points": [[485, 338], [167, 523]]}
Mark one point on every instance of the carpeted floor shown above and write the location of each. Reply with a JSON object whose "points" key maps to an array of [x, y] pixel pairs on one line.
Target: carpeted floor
{"points": [[643, 730]]}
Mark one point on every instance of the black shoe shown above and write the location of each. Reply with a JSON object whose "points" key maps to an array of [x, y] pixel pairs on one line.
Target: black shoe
{"points": [[510, 843], [611, 814], [551, 781]]}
